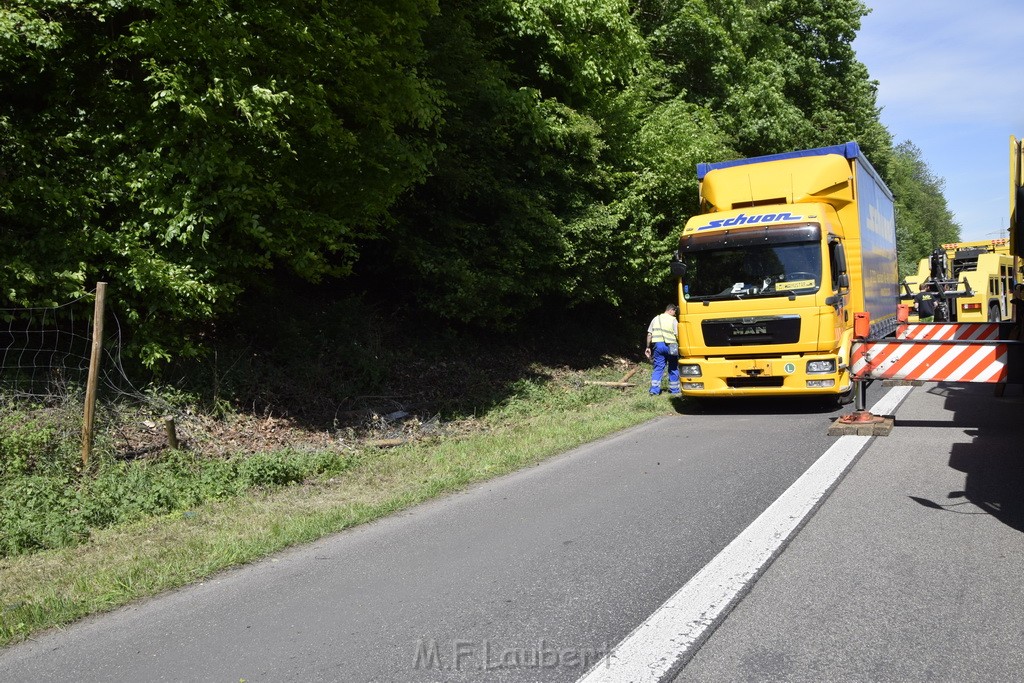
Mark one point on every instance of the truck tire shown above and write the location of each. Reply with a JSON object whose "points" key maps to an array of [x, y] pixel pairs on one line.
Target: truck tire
{"points": [[994, 314]]}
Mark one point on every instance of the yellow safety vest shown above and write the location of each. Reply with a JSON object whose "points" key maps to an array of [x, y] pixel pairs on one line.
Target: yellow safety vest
{"points": [[661, 330]]}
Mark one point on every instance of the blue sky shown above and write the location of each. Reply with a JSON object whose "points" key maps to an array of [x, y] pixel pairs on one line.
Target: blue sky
{"points": [[951, 80]]}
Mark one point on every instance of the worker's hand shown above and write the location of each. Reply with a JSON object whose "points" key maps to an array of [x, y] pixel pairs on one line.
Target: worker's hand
{"points": [[647, 352]]}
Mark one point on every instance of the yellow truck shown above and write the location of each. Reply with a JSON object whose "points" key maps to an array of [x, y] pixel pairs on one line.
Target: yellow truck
{"points": [[961, 351], [786, 249], [969, 281], [1016, 197]]}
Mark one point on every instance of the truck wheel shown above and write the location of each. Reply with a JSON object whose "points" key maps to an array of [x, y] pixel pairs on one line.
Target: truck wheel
{"points": [[994, 314], [835, 401]]}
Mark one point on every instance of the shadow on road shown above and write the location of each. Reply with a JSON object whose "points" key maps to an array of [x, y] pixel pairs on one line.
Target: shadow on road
{"points": [[994, 459], [790, 405]]}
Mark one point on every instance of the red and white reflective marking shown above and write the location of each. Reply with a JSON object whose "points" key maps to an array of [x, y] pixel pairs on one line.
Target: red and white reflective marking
{"points": [[932, 360], [950, 331]]}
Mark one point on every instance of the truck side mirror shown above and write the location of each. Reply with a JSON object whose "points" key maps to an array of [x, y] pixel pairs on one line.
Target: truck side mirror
{"points": [[841, 260], [677, 268], [844, 281]]}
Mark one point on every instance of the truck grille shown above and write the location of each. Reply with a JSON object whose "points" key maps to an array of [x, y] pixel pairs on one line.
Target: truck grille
{"points": [[781, 329]]}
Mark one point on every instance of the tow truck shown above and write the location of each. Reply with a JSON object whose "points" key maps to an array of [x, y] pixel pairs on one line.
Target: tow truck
{"points": [[969, 281], [958, 351]]}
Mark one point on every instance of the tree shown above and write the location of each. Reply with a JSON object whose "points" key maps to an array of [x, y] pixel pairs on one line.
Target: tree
{"points": [[181, 149], [521, 205], [486, 157], [923, 219], [802, 85]]}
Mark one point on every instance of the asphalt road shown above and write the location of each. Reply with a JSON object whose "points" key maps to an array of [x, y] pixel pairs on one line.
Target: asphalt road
{"points": [[533, 576], [910, 571]]}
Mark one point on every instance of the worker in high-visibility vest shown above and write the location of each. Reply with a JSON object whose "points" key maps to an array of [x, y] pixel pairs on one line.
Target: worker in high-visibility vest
{"points": [[663, 349]]}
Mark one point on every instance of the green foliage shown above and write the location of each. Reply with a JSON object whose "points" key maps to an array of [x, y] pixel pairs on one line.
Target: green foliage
{"points": [[802, 85], [59, 508], [661, 193], [521, 206], [697, 45], [541, 395], [178, 150], [20, 445], [39, 512], [266, 469], [31, 444], [485, 158]]}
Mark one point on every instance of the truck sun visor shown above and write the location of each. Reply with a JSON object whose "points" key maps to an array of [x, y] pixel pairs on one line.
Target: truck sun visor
{"points": [[750, 236]]}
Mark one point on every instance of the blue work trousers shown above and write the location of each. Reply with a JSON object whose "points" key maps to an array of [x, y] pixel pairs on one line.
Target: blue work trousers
{"points": [[661, 358]]}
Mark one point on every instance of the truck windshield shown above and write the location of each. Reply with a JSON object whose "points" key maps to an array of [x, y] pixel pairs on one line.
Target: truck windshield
{"points": [[752, 270]]}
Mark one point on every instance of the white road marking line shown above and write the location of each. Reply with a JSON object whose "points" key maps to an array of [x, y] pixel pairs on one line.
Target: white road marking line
{"points": [[658, 647]]}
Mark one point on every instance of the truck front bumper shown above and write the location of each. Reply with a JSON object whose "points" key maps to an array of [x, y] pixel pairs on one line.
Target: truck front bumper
{"points": [[783, 375]]}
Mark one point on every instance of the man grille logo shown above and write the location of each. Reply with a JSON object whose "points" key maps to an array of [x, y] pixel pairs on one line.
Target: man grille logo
{"points": [[749, 330]]}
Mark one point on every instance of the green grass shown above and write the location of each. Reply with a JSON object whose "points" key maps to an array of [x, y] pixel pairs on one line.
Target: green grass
{"points": [[537, 419]]}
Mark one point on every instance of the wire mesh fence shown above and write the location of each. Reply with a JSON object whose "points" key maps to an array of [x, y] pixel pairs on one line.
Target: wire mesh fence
{"points": [[45, 352], [62, 356]]}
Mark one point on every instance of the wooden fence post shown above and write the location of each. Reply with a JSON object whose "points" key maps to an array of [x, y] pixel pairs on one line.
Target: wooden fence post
{"points": [[94, 371], [172, 434]]}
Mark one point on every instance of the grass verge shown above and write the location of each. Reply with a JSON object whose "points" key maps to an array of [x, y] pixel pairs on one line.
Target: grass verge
{"points": [[128, 562]]}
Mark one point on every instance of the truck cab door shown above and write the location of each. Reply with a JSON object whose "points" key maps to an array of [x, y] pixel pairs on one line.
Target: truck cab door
{"points": [[840, 281]]}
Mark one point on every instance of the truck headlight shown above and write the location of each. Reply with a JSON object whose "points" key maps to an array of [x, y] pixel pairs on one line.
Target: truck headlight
{"points": [[820, 383], [689, 370], [821, 367]]}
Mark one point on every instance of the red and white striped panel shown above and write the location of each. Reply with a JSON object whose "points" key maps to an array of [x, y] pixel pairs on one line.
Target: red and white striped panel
{"points": [[953, 361], [949, 331]]}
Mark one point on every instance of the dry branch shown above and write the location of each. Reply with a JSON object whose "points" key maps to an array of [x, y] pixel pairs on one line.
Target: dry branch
{"points": [[385, 443]]}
